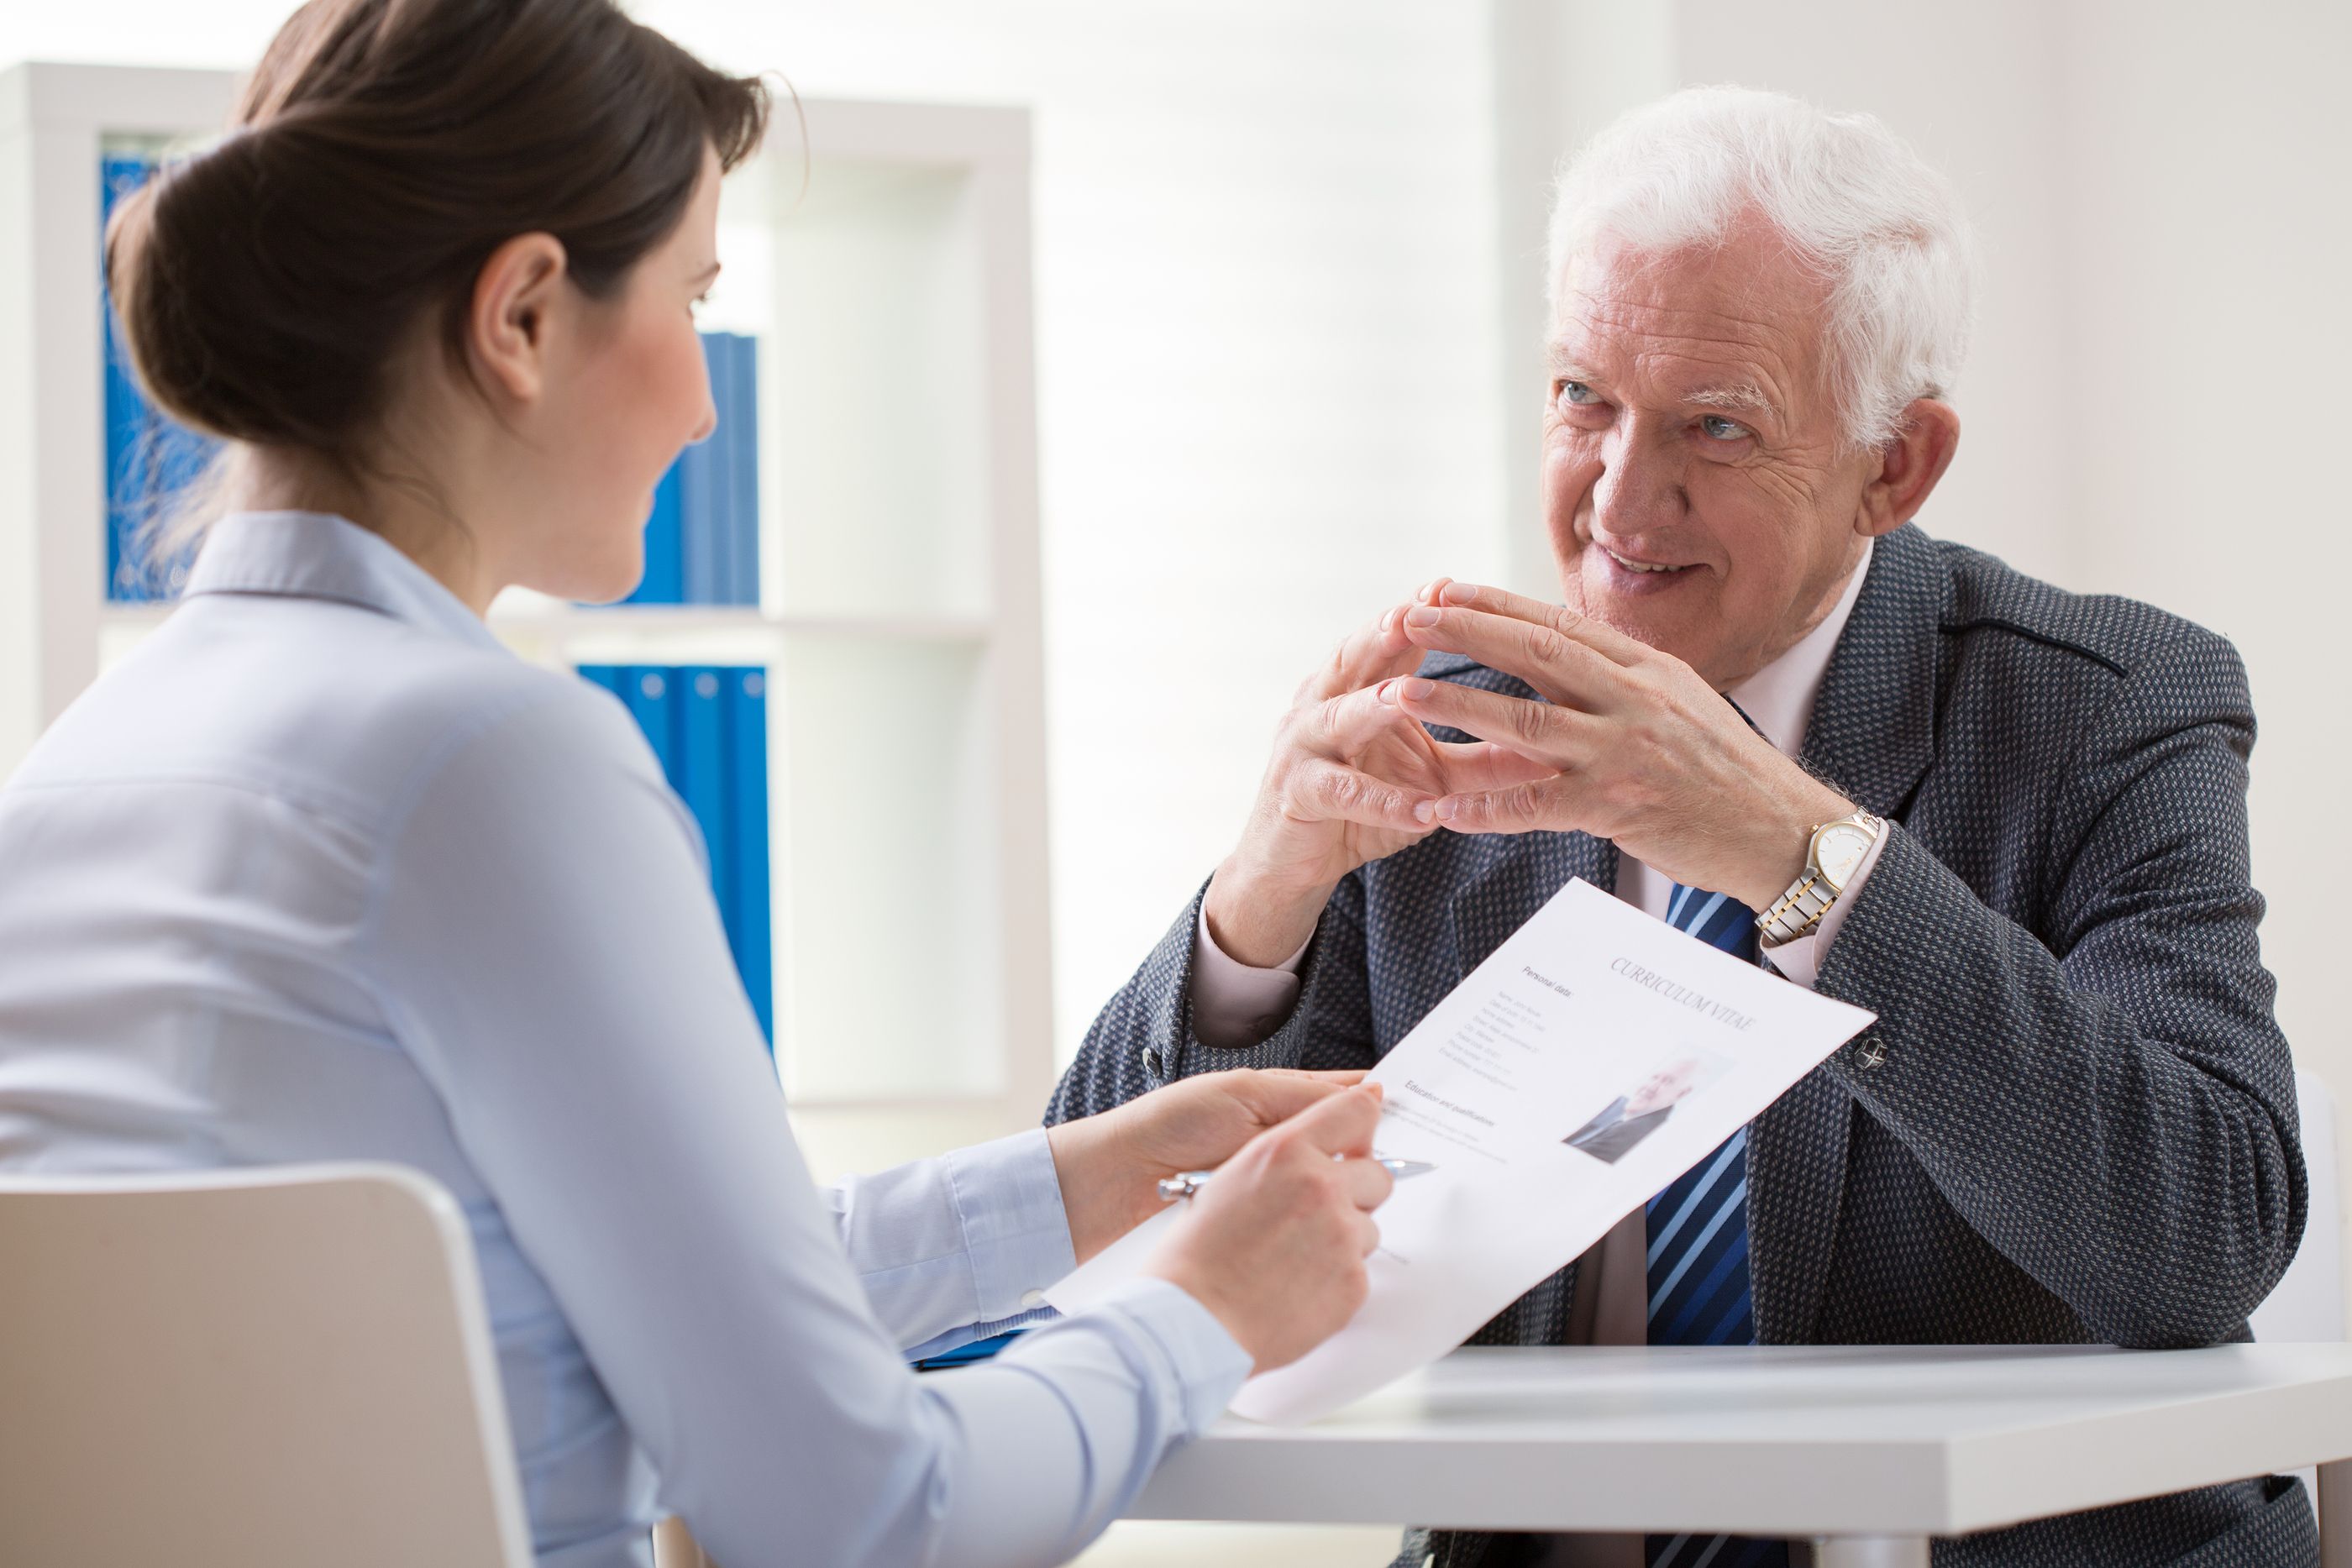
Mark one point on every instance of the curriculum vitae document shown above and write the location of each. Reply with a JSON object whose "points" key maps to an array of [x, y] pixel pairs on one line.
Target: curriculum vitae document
{"points": [[1597, 1055]]}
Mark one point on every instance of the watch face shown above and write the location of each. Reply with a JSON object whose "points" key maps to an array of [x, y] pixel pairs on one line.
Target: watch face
{"points": [[1839, 851]]}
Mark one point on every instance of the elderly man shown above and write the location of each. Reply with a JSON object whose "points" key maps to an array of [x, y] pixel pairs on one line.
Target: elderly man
{"points": [[2008, 819]]}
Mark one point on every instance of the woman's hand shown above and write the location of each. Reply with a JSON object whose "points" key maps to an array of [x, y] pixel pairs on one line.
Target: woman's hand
{"points": [[1276, 1246], [1110, 1163]]}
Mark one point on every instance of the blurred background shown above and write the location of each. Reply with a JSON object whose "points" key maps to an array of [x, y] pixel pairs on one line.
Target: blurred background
{"points": [[1288, 302]]}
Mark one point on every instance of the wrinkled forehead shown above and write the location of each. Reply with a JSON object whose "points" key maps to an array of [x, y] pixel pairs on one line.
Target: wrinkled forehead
{"points": [[1705, 323]]}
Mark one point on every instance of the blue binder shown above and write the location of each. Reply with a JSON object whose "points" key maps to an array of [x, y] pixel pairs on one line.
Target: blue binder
{"points": [[708, 494], [662, 581], [702, 775], [747, 812], [742, 585], [608, 676], [651, 693], [965, 1355], [707, 727], [126, 411], [148, 457]]}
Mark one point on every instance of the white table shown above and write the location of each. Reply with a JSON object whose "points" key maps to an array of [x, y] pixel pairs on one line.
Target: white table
{"points": [[1871, 1451]]}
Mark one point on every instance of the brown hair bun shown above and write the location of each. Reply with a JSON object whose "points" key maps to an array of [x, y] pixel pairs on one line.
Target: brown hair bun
{"points": [[383, 150]]}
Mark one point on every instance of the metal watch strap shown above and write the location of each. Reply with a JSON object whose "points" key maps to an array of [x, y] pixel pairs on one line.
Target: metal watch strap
{"points": [[1797, 911]]}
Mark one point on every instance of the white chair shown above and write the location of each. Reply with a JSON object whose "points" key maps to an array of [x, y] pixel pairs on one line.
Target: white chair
{"points": [[272, 1368]]}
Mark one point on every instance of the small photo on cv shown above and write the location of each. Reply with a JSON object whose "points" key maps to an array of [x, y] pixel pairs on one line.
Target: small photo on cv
{"points": [[1642, 1107]]}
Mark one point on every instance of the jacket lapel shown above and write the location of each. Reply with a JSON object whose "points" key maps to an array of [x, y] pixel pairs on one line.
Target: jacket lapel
{"points": [[1873, 733]]}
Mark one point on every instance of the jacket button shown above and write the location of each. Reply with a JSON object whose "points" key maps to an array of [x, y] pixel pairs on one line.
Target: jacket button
{"points": [[1151, 1059], [1872, 1051]]}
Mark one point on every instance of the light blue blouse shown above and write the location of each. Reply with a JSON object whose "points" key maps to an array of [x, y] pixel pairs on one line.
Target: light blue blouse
{"points": [[324, 871]]}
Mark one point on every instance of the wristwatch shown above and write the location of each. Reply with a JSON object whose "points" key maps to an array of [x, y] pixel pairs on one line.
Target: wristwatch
{"points": [[1836, 853]]}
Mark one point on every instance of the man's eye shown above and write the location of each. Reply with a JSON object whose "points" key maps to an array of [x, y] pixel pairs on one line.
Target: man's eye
{"points": [[1577, 393], [1719, 428]]}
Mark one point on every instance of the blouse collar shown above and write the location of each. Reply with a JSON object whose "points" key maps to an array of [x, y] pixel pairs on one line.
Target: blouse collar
{"points": [[317, 555]]}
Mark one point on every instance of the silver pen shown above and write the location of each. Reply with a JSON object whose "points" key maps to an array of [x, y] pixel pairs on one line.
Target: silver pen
{"points": [[1184, 1184]]}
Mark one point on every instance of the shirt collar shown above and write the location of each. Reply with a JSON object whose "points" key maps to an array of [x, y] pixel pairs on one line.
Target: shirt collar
{"points": [[1779, 698], [317, 555]]}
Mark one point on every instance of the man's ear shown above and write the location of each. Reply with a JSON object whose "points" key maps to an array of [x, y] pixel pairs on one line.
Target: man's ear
{"points": [[1909, 466], [515, 296]]}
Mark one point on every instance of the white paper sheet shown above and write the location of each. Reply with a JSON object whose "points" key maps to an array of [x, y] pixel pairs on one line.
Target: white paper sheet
{"points": [[1594, 1021]]}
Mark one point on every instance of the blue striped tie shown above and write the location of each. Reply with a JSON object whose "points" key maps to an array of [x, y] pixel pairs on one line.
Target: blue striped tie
{"points": [[1698, 1246]]}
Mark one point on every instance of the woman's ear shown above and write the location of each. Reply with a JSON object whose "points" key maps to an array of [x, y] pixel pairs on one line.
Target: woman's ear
{"points": [[1909, 466], [515, 295]]}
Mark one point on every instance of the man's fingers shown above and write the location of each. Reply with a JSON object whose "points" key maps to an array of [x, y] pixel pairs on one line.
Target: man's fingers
{"points": [[1340, 726], [1594, 634], [1517, 809], [1468, 764], [1326, 791], [1340, 1124], [1544, 731], [1561, 668], [1365, 657]]}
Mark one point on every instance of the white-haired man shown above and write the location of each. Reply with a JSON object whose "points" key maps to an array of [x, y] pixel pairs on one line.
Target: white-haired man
{"points": [[2008, 821]]}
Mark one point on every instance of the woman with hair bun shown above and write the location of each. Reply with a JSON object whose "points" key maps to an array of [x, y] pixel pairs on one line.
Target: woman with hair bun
{"points": [[324, 872]]}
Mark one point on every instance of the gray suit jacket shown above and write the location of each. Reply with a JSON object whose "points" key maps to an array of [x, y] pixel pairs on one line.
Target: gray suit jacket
{"points": [[2075, 1120]]}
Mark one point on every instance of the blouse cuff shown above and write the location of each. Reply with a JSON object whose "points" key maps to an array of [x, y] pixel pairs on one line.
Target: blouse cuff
{"points": [[1008, 1199]]}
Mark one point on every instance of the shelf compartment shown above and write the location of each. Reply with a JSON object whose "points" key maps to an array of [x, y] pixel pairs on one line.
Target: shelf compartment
{"points": [[865, 288], [890, 936]]}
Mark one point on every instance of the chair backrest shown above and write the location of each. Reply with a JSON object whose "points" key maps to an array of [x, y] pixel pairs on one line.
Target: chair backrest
{"points": [[268, 1368], [2307, 1305]]}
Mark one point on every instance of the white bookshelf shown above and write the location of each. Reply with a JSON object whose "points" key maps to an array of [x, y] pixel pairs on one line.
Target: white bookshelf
{"points": [[899, 614]]}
